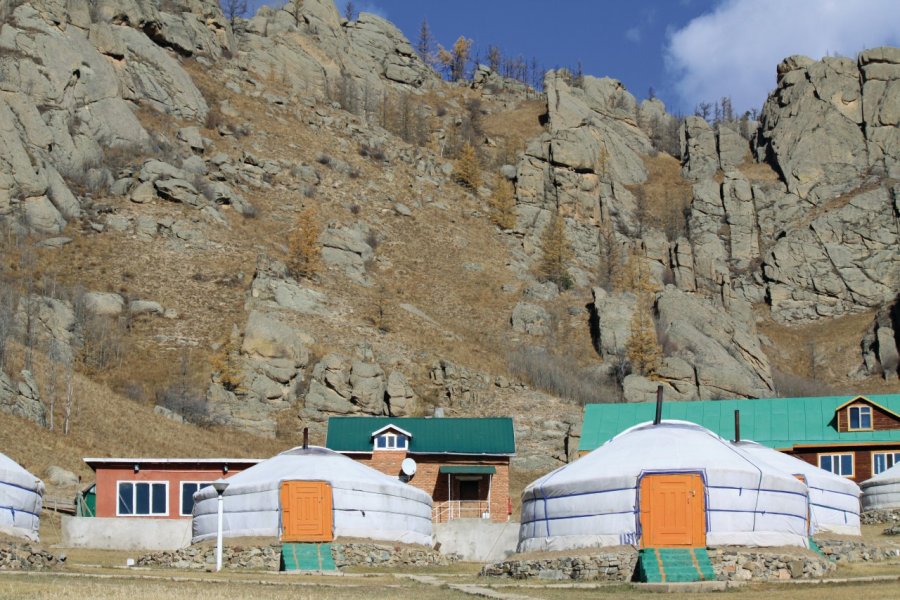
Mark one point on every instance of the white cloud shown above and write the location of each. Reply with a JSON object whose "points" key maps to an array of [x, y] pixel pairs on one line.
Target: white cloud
{"points": [[633, 35], [733, 51]]}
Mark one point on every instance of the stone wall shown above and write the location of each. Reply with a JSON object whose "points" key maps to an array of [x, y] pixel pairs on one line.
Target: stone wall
{"points": [[22, 556], [857, 550], [879, 516], [613, 565], [758, 565], [268, 557]]}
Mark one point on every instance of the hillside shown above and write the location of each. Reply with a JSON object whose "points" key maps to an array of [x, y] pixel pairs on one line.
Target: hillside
{"points": [[165, 178]]}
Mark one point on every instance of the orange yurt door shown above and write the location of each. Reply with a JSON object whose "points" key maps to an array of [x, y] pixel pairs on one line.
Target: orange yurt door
{"points": [[306, 512], [673, 511]]}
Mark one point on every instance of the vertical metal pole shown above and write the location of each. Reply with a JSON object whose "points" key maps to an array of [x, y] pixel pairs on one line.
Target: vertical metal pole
{"points": [[737, 425], [219, 534], [305, 438], [490, 485], [659, 401]]}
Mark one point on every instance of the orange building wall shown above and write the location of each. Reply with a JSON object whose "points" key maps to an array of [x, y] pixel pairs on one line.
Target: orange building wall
{"points": [[107, 486], [429, 479]]}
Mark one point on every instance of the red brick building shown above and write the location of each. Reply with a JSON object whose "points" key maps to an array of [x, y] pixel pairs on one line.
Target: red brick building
{"points": [[462, 463], [160, 488]]}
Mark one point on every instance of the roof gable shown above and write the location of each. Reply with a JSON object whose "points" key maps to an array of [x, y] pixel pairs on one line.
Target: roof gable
{"points": [[865, 400], [390, 427], [773, 422], [489, 436]]}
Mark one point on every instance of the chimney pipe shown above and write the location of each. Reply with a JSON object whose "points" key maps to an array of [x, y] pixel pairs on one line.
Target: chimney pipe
{"points": [[305, 438], [659, 400], [737, 425]]}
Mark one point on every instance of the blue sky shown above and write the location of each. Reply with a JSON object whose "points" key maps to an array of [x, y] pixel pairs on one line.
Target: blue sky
{"points": [[689, 51]]}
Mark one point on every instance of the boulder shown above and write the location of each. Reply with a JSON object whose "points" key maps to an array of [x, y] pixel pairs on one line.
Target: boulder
{"points": [[530, 318], [22, 399], [269, 337], [402, 400], [61, 477], [699, 157], [103, 304], [347, 249]]}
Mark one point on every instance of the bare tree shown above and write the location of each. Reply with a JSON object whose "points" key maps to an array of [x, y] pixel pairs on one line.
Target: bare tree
{"points": [[69, 405], [56, 356], [296, 7], [234, 9], [350, 11]]}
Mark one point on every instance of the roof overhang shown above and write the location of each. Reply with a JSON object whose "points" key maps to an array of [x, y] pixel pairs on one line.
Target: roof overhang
{"points": [[467, 470], [95, 462], [434, 453]]}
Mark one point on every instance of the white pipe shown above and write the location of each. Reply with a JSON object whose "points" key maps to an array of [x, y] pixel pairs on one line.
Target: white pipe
{"points": [[219, 534]]}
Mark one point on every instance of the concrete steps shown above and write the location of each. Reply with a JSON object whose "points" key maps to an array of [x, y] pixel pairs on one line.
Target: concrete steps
{"points": [[667, 565]]}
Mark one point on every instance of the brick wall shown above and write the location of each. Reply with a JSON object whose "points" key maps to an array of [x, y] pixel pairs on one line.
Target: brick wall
{"points": [[429, 479]]}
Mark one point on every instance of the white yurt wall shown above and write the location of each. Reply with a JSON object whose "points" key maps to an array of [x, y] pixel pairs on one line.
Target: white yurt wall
{"points": [[21, 499], [594, 501], [366, 503]]}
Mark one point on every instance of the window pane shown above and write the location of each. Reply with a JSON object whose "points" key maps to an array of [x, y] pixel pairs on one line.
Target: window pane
{"points": [[126, 505], [865, 418], [846, 464], [187, 497], [382, 441], [401, 442], [391, 441], [142, 499], [854, 417], [825, 462], [880, 459], [159, 499]]}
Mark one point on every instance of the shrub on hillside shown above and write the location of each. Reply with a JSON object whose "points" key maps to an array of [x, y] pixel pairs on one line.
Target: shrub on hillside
{"points": [[557, 376]]}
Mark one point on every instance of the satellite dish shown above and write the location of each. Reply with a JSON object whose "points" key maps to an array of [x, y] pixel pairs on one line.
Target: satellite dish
{"points": [[408, 466]]}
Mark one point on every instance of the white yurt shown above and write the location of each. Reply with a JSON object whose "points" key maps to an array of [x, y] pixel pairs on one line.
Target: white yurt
{"points": [[21, 498], [833, 500], [671, 484], [883, 490], [358, 501]]}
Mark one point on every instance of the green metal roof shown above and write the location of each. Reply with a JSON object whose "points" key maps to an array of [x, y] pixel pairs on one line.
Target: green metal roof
{"points": [[774, 422], [492, 436], [468, 470]]}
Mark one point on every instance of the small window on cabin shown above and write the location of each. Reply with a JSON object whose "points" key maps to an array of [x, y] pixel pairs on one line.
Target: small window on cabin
{"points": [[860, 418], [142, 498], [839, 464], [882, 461], [188, 489], [390, 441]]}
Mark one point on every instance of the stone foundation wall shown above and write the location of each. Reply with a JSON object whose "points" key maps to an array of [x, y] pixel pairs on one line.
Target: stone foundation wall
{"points": [[22, 556], [746, 565], [607, 566], [857, 551], [879, 516], [268, 558]]}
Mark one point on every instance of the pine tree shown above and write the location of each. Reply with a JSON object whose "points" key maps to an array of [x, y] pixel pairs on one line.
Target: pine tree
{"points": [[503, 203], [643, 347], [468, 169], [304, 253], [425, 45], [557, 253]]}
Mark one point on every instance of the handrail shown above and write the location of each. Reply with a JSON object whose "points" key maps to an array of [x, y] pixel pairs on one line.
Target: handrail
{"points": [[449, 510]]}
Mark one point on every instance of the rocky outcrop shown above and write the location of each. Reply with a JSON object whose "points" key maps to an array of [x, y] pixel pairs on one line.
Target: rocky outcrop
{"points": [[830, 122], [22, 399], [705, 150], [844, 261], [880, 356]]}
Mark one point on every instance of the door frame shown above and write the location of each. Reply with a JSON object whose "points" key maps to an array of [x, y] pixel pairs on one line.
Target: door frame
{"points": [[637, 510], [328, 535]]}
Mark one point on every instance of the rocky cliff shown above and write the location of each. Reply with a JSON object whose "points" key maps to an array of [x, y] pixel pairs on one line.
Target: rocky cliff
{"points": [[156, 160]]}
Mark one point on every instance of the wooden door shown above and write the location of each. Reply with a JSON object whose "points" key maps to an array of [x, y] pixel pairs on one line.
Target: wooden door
{"points": [[306, 510], [673, 511]]}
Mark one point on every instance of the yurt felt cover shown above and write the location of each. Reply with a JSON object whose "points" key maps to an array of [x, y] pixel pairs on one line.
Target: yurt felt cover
{"points": [[833, 500], [21, 499], [367, 503], [594, 501], [882, 490]]}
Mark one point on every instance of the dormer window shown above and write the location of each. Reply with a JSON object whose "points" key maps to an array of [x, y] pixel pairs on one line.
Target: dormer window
{"points": [[390, 441], [859, 417]]}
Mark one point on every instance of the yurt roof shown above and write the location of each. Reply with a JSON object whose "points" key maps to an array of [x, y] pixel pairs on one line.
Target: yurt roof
{"points": [[312, 464], [13, 472], [887, 476], [674, 446], [794, 466]]}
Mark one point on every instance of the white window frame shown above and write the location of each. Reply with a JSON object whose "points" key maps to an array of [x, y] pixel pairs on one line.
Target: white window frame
{"points": [[181, 485], [391, 441], [895, 454], [134, 482], [837, 455], [860, 408]]}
